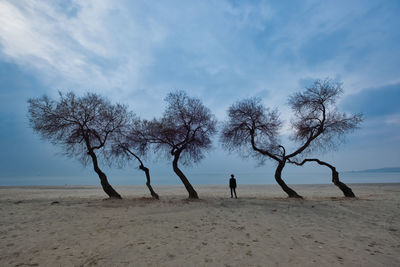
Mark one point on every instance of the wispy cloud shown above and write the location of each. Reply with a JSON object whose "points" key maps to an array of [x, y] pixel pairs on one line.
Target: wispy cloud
{"points": [[91, 47], [218, 50]]}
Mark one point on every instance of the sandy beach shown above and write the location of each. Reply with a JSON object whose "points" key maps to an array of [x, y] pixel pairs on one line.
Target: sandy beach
{"points": [[76, 226]]}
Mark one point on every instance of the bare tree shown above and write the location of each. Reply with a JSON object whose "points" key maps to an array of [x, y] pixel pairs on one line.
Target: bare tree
{"points": [[81, 125], [317, 125], [184, 132], [130, 144], [253, 129]]}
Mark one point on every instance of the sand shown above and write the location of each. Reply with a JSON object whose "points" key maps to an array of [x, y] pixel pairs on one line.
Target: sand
{"points": [[75, 226]]}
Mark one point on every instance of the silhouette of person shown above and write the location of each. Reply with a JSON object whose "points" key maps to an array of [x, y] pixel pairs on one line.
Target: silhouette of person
{"points": [[232, 185]]}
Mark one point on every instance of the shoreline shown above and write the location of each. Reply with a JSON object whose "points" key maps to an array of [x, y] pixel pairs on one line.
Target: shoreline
{"points": [[174, 185], [307, 191]]}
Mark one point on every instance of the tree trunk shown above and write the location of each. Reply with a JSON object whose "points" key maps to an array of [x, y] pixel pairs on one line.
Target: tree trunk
{"points": [[147, 172], [108, 189], [185, 181], [345, 189], [278, 177], [335, 176]]}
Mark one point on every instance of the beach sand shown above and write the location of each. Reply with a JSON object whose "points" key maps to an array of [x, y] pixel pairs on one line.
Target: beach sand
{"points": [[75, 226]]}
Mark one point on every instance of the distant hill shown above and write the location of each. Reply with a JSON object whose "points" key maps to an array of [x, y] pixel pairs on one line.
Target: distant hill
{"points": [[392, 169]]}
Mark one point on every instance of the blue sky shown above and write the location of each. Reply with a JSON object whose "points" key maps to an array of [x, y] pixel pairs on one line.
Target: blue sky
{"points": [[135, 52]]}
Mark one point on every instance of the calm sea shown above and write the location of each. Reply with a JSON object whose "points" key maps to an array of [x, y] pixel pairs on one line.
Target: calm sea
{"points": [[138, 178]]}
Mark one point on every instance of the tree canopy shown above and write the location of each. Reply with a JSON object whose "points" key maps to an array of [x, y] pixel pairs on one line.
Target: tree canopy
{"points": [[184, 131], [81, 125], [317, 124]]}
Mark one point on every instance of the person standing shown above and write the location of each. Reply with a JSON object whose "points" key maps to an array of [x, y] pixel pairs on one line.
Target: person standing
{"points": [[232, 185]]}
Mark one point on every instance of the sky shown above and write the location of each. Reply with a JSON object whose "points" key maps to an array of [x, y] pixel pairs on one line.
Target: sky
{"points": [[135, 52]]}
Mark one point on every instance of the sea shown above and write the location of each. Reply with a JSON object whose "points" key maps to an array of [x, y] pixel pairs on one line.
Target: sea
{"points": [[138, 178]]}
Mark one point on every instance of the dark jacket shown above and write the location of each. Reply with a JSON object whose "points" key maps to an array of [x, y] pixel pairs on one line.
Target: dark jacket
{"points": [[232, 183]]}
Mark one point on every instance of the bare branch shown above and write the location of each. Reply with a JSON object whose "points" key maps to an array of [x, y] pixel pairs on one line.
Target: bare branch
{"points": [[80, 125], [251, 127]]}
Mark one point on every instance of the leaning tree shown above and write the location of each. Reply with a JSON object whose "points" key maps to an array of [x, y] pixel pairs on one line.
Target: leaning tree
{"points": [[316, 112], [347, 192], [317, 124], [81, 125], [184, 132], [129, 144]]}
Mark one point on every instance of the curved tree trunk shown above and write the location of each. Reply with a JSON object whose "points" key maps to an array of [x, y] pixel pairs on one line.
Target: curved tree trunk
{"points": [[147, 172], [185, 181], [108, 189], [143, 168], [335, 179], [335, 176], [279, 180]]}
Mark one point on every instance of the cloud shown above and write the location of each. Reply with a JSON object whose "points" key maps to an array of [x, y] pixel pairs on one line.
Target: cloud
{"points": [[375, 102], [393, 120], [91, 47], [219, 51]]}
